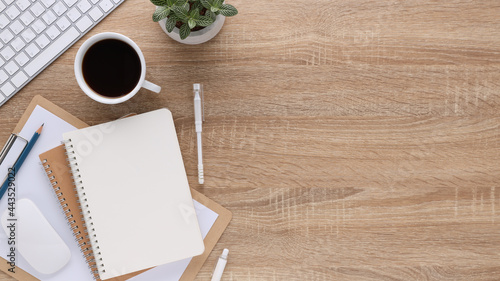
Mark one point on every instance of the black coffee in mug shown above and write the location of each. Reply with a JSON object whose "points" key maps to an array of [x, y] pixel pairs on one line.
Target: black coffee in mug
{"points": [[112, 68]]}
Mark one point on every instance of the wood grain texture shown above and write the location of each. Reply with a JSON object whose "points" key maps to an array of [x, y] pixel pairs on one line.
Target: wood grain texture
{"points": [[352, 140]]}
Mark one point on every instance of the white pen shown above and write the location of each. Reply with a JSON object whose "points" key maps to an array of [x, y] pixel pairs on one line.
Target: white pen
{"points": [[221, 264], [198, 121]]}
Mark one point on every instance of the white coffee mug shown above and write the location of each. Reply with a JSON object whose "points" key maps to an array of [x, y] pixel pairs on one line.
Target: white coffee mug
{"points": [[143, 83]]}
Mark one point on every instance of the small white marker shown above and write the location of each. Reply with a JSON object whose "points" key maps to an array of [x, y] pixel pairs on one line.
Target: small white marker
{"points": [[198, 120], [221, 264]]}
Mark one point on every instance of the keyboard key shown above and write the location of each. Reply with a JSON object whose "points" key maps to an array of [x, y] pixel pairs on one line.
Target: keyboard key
{"points": [[106, 5], [7, 89], [28, 35], [1, 63], [49, 17], [63, 23], [22, 59], [2, 6], [74, 15], [95, 13], [59, 8], [11, 67], [18, 44], [42, 41], [94, 1], [116, 1], [37, 9], [8, 2], [23, 4], [32, 50], [3, 76], [70, 2], [53, 32], [38, 26], [48, 3], [19, 79], [4, 21], [12, 12], [1, 98], [84, 23], [84, 6], [7, 53], [16, 27], [6, 36], [53, 50], [27, 18]]}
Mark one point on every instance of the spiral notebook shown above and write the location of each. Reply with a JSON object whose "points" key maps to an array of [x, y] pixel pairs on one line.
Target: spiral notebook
{"points": [[134, 194], [55, 165]]}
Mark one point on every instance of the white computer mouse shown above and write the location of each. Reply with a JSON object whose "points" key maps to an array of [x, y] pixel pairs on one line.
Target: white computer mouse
{"points": [[35, 239]]}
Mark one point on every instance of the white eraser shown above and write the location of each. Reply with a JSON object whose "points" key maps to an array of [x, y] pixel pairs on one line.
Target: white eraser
{"points": [[35, 239]]}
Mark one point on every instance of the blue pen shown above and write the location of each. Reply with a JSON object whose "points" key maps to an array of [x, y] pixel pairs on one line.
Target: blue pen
{"points": [[21, 159]]}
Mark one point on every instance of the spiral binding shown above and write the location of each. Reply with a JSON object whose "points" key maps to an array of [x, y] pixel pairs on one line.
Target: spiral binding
{"points": [[77, 233], [85, 210]]}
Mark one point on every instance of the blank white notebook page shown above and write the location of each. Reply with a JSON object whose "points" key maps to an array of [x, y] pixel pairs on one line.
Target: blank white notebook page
{"points": [[134, 193], [173, 271]]}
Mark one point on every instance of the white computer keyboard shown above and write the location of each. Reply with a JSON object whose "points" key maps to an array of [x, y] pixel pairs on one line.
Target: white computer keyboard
{"points": [[33, 33]]}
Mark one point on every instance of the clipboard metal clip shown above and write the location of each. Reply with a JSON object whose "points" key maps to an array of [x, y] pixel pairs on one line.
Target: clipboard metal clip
{"points": [[10, 143]]}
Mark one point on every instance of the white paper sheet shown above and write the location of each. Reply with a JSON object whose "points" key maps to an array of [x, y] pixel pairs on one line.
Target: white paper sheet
{"points": [[32, 183]]}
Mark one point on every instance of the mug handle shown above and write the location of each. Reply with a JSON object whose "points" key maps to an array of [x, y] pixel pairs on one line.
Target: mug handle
{"points": [[150, 86]]}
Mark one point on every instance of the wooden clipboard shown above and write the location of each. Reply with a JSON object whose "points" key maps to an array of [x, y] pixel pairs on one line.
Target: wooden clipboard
{"points": [[210, 240]]}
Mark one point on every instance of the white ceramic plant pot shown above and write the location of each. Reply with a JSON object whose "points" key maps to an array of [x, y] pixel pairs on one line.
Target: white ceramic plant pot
{"points": [[196, 37]]}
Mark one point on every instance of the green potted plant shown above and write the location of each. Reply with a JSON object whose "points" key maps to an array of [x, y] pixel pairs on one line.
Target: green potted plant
{"points": [[192, 21]]}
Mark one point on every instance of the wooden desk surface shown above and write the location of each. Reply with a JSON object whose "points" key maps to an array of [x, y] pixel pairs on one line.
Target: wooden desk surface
{"points": [[352, 140]]}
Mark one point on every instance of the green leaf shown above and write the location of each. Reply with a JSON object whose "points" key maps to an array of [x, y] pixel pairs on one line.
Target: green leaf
{"points": [[159, 2], [206, 4], [228, 10], [181, 12], [214, 9], [205, 21], [211, 14], [192, 23], [184, 31], [194, 14], [161, 13], [180, 2], [217, 3], [170, 24], [197, 5], [186, 6], [175, 17]]}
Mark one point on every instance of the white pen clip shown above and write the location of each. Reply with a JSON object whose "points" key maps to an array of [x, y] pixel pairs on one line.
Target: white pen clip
{"points": [[199, 117], [198, 89]]}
